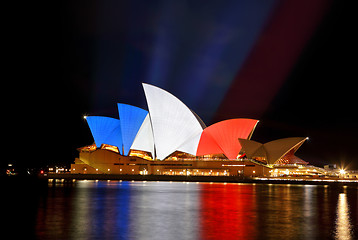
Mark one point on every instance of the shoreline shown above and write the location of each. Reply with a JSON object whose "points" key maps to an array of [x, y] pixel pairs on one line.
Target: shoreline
{"points": [[69, 178], [218, 179]]}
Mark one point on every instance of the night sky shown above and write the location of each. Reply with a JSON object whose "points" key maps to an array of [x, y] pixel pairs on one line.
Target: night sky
{"points": [[290, 64]]}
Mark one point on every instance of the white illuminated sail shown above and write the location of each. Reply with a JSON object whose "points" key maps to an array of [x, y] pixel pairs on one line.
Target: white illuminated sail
{"points": [[173, 123], [144, 138]]}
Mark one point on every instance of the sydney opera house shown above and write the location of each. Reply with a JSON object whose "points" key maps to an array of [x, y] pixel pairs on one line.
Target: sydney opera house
{"points": [[171, 139]]}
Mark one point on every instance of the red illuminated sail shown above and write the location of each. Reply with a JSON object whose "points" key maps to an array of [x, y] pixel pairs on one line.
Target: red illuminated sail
{"points": [[223, 136]]}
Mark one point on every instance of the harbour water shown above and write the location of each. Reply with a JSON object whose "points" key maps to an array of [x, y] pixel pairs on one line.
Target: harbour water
{"points": [[182, 210]]}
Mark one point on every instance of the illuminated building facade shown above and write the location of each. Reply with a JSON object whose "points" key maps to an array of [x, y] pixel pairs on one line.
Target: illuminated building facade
{"points": [[170, 139]]}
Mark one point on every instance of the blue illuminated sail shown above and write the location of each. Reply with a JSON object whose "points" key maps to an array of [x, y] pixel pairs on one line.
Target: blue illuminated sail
{"points": [[131, 118], [105, 130]]}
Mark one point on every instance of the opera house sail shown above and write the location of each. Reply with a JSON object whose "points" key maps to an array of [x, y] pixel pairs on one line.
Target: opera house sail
{"points": [[173, 123], [274, 151], [131, 119], [170, 139], [144, 138], [105, 130], [222, 137]]}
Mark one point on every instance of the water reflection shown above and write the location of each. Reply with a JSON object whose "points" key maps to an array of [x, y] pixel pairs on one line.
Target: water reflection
{"points": [[85, 210], [81, 214], [165, 210], [51, 217], [228, 211], [343, 229], [280, 212], [309, 211]]}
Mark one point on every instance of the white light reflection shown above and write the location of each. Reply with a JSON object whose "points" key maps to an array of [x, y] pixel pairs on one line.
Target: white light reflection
{"points": [[80, 214], [309, 210], [343, 224], [164, 210]]}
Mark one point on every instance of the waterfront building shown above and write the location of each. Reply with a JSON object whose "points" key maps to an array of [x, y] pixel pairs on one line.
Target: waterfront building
{"points": [[171, 139]]}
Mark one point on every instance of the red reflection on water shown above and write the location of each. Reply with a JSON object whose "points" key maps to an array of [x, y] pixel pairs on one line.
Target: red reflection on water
{"points": [[227, 211]]}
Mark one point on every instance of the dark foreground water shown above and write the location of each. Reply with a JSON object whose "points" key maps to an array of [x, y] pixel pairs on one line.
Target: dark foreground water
{"points": [[176, 210]]}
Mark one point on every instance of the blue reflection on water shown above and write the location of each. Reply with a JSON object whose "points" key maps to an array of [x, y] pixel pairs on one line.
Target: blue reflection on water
{"points": [[97, 210], [126, 210], [109, 210]]}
